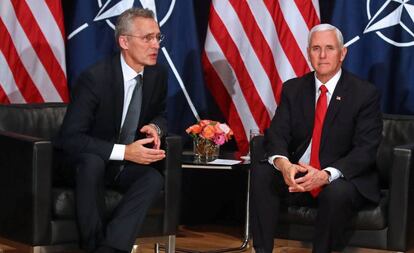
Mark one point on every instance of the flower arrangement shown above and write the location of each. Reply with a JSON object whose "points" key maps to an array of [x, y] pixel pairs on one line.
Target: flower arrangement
{"points": [[208, 135], [214, 131]]}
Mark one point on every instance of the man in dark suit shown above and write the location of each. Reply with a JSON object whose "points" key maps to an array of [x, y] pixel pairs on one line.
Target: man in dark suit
{"points": [[321, 148], [111, 134]]}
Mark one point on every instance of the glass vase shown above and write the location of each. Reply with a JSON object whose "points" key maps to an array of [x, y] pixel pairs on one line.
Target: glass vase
{"points": [[205, 150]]}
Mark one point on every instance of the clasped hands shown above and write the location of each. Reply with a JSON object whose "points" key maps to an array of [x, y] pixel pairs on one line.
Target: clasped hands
{"points": [[137, 152], [312, 178]]}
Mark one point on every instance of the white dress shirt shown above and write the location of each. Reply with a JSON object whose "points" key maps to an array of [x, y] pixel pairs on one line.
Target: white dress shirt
{"points": [[130, 82], [330, 85]]}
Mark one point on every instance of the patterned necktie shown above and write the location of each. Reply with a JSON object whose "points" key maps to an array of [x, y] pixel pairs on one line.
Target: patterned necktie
{"points": [[130, 126], [320, 111]]}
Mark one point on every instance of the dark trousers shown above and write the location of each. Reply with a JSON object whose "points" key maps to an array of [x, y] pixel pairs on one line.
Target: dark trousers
{"points": [[337, 203], [139, 184]]}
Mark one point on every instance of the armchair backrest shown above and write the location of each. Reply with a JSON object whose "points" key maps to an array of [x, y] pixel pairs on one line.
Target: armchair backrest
{"points": [[40, 120], [397, 130]]}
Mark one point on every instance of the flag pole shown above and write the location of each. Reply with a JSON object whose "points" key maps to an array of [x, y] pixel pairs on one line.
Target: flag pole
{"points": [[180, 81]]}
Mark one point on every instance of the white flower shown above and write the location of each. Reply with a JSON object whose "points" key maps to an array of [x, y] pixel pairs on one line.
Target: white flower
{"points": [[225, 128]]}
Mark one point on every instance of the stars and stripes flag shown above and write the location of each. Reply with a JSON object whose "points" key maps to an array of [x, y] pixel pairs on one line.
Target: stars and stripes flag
{"points": [[32, 52], [251, 48]]}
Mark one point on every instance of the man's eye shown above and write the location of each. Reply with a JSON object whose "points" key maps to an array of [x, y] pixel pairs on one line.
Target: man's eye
{"points": [[148, 38]]}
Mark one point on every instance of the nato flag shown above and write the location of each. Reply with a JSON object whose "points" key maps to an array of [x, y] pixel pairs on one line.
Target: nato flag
{"points": [[90, 29], [380, 34]]}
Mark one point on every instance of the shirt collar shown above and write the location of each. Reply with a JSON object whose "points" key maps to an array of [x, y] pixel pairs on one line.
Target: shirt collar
{"points": [[331, 84], [128, 73]]}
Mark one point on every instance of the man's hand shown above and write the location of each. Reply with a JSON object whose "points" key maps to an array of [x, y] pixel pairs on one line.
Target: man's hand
{"points": [[151, 132], [313, 179], [289, 171], [137, 153]]}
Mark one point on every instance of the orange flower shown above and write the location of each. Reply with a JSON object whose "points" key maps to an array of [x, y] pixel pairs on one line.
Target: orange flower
{"points": [[194, 129], [208, 132]]}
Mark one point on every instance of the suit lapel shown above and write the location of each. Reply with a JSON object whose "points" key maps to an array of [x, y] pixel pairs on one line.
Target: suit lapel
{"points": [[334, 106], [118, 82], [309, 103], [306, 111]]}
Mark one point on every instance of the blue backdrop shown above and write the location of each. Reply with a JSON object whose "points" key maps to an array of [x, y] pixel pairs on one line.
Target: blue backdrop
{"points": [[383, 51]]}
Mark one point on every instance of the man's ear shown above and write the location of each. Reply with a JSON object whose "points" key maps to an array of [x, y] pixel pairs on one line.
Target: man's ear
{"points": [[123, 42], [343, 53]]}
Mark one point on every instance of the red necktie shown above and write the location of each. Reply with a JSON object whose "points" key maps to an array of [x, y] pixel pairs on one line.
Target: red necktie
{"points": [[320, 111]]}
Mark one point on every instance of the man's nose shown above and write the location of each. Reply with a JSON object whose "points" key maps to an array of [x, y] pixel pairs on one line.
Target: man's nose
{"points": [[156, 44], [323, 53]]}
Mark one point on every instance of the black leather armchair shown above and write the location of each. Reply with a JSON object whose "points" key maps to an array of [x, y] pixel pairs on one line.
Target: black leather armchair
{"points": [[387, 226], [37, 210]]}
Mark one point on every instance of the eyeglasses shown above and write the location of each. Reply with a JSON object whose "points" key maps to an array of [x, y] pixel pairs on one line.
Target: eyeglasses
{"points": [[149, 37]]}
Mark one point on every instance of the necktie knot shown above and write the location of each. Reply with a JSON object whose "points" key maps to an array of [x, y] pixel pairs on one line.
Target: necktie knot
{"points": [[138, 79], [323, 89]]}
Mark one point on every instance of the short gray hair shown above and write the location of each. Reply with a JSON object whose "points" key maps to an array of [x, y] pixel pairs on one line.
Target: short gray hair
{"points": [[124, 21], [327, 27]]}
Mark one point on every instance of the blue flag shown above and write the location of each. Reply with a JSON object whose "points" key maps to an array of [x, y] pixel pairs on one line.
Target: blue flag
{"points": [[381, 50], [90, 29]]}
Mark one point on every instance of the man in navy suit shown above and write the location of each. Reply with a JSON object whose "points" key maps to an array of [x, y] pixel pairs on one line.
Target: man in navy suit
{"points": [[93, 128], [321, 147]]}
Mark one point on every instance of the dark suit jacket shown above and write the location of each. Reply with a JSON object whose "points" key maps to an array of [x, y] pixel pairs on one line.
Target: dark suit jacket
{"points": [[351, 131], [93, 118]]}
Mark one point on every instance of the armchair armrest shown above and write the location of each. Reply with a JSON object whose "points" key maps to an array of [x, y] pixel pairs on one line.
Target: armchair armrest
{"points": [[401, 206], [172, 173], [25, 186]]}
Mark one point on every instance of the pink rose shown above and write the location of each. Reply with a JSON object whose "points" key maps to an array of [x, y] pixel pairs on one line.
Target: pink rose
{"points": [[219, 139]]}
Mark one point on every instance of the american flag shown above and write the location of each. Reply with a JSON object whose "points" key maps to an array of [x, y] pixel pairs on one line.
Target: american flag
{"points": [[251, 48], [32, 52]]}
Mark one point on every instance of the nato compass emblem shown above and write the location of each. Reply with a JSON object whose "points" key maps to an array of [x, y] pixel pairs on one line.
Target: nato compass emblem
{"points": [[391, 20], [109, 10]]}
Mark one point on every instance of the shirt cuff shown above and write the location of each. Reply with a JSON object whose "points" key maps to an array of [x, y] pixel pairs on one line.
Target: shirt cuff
{"points": [[335, 173], [272, 158], [118, 152]]}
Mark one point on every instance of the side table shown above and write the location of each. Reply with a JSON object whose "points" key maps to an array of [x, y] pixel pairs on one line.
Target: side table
{"points": [[188, 162]]}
